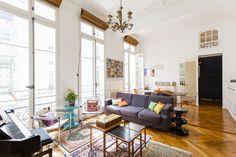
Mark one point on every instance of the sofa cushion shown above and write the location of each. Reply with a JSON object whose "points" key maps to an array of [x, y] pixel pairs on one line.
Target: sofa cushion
{"points": [[123, 103], [158, 107], [126, 96], [152, 105], [140, 101], [131, 111], [114, 109], [163, 99], [149, 115]]}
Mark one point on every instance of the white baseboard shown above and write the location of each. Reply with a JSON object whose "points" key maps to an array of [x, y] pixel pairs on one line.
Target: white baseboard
{"points": [[232, 115]]}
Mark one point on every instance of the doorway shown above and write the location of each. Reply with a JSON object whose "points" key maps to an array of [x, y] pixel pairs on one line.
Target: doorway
{"points": [[210, 79]]}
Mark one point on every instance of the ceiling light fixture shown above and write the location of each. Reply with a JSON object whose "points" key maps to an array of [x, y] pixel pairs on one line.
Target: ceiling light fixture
{"points": [[120, 25]]}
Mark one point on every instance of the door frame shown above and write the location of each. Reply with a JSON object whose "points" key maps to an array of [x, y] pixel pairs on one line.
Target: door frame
{"points": [[198, 70]]}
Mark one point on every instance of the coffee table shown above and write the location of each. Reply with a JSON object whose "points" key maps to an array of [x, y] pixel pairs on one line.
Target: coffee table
{"points": [[104, 130], [126, 135], [138, 128]]}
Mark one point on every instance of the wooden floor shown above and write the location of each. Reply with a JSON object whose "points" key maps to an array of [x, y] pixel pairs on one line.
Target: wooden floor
{"points": [[211, 115], [202, 142]]}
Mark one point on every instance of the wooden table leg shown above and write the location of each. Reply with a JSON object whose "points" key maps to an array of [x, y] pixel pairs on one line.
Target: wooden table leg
{"points": [[128, 149], [141, 153], [104, 144], [145, 136], [116, 145], [132, 148], [91, 137]]}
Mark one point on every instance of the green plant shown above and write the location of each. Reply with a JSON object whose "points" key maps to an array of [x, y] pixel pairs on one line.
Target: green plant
{"points": [[71, 96]]}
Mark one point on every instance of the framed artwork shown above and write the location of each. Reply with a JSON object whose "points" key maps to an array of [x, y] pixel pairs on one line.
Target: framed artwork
{"points": [[114, 69], [149, 72]]}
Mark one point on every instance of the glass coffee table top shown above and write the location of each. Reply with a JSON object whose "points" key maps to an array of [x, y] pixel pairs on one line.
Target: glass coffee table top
{"points": [[134, 126], [124, 133]]}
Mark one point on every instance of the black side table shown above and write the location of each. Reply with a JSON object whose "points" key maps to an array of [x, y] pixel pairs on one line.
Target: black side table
{"points": [[179, 121]]}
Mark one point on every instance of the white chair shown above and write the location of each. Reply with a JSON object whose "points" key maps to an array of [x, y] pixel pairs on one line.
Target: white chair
{"points": [[58, 114]]}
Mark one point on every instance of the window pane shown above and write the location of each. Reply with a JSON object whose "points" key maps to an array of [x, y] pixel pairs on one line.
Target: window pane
{"points": [[126, 77], [132, 48], [86, 48], [100, 80], [99, 34], [45, 79], [132, 72], [87, 79], [14, 65], [126, 62], [126, 46], [85, 28], [99, 51], [139, 71], [45, 38], [22, 4], [13, 30], [45, 11], [126, 58], [14, 77]]}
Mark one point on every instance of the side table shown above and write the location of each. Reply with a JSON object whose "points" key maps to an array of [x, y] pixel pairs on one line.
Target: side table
{"points": [[74, 116], [179, 121]]}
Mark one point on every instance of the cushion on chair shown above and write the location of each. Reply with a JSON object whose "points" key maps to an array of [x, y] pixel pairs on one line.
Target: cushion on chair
{"points": [[140, 101], [49, 120], [131, 111], [114, 109], [56, 125], [126, 96], [148, 115], [44, 137]]}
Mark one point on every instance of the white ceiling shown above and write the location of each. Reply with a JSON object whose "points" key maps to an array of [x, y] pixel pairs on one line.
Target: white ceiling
{"points": [[152, 13], [138, 7]]}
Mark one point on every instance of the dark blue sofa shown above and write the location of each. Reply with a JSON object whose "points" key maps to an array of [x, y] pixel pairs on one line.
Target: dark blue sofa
{"points": [[138, 111]]}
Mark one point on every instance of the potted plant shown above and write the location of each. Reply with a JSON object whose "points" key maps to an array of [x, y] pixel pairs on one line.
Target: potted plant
{"points": [[71, 97]]}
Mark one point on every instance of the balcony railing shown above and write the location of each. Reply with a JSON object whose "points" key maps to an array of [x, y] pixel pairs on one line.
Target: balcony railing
{"points": [[19, 101]]}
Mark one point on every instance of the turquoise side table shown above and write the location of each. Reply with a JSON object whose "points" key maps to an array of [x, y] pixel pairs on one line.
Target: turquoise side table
{"points": [[74, 116]]}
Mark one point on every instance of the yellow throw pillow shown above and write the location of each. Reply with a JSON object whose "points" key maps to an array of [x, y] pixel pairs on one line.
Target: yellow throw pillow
{"points": [[158, 107]]}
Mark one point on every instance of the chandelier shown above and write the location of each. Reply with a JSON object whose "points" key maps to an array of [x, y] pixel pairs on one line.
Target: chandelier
{"points": [[120, 25]]}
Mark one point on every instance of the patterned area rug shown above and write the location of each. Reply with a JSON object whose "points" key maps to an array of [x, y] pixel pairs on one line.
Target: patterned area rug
{"points": [[77, 138], [76, 144]]}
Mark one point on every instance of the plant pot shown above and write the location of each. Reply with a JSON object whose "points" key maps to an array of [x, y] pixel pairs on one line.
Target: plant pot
{"points": [[72, 103]]}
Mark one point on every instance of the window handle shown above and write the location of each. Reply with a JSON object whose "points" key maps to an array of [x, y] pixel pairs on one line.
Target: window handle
{"points": [[30, 86]]}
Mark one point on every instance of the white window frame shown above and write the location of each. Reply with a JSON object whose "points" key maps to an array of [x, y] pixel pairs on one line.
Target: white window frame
{"points": [[30, 16], [94, 40], [128, 51]]}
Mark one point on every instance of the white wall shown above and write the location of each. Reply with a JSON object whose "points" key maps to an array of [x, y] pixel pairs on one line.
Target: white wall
{"points": [[69, 48], [114, 50], [170, 43]]}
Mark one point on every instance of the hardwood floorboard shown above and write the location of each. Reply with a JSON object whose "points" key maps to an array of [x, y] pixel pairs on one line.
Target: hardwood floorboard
{"points": [[211, 115]]}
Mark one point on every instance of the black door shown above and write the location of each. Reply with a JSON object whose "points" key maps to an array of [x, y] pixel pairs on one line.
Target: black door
{"points": [[210, 80]]}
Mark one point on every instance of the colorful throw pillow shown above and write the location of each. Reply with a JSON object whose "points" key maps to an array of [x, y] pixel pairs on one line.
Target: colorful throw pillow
{"points": [[158, 107], [152, 105], [49, 119], [123, 103], [115, 101]]}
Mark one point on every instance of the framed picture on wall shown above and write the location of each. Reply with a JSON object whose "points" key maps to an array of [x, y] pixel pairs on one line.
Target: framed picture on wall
{"points": [[149, 72], [114, 69]]}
